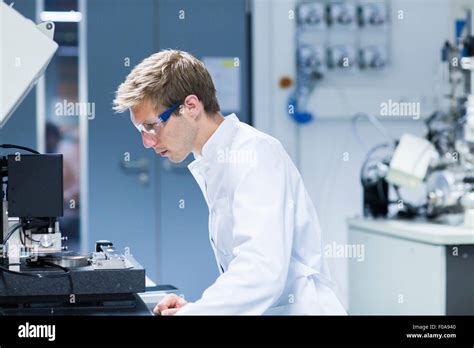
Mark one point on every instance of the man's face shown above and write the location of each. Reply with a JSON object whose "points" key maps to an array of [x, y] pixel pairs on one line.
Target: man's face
{"points": [[175, 139]]}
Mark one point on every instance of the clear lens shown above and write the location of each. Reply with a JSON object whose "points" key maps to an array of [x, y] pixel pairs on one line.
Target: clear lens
{"points": [[147, 128], [151, 128]]}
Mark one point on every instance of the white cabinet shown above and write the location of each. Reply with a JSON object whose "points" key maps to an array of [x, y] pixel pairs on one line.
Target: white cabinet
{"points": [[411, 267]]}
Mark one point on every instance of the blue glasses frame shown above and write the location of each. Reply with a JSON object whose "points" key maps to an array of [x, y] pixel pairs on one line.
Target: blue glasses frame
{"points": [[167, 113], [152, 128]]}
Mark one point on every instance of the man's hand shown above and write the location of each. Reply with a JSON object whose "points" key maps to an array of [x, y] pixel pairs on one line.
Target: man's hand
{"points": [[169, 305]]}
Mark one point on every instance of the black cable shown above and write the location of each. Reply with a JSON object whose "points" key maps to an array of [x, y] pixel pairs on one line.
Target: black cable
{"points": [[28, 237], [25, 274], [19, 147], [66, 270], [36, 274], [33, 240], [22, 239], [17, 226], [67, 273], [50, 264]]}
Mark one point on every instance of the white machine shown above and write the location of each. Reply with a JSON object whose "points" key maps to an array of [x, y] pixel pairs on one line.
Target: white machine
{"points": [[26, 50], [443, 159], [410, 161]]}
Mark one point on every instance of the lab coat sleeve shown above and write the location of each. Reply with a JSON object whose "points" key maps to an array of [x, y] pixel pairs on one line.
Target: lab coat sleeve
{"points": [[263, 214]]}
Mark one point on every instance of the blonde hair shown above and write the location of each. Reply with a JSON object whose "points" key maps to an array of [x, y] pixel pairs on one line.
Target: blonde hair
{"points": [[165, 78]]}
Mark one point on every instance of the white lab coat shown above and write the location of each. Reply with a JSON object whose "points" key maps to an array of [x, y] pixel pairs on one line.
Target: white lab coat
{"points": [[263, 229]]}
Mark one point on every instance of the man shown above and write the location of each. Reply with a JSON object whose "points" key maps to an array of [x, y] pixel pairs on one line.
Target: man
{"points": [[263, 227]]}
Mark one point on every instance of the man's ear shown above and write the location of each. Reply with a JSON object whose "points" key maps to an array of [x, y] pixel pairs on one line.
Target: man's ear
{"points": [[193, 106]]}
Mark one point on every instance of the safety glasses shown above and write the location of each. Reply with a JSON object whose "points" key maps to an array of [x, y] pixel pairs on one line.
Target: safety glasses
{"points": [[153, 126]]}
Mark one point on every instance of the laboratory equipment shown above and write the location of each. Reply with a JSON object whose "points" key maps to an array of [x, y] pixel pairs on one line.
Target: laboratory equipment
{"points": [[443, 160], [38, 274]]}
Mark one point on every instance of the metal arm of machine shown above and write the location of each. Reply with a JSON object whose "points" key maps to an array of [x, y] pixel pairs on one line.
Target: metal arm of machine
{"points": [[26, 50]]}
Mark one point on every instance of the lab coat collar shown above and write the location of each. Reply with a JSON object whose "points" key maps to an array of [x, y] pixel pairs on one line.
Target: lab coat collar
{"points": [[218, 139]]}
